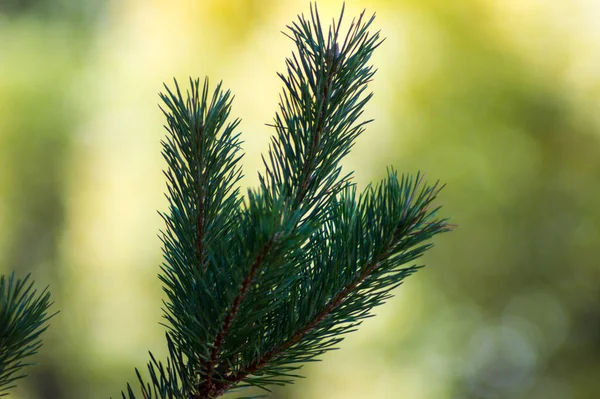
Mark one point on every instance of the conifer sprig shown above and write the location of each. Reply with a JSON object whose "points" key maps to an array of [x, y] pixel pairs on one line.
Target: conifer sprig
{"points": [[319, 109], [23, 317], [258, 285]]}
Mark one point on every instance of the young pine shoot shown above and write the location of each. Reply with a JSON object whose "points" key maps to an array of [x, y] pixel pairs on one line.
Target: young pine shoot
{"points": [[258, 285]]}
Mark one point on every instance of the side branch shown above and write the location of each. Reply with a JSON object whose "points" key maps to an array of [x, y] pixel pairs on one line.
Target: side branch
{"points": [[339, 299], [327, 310]]}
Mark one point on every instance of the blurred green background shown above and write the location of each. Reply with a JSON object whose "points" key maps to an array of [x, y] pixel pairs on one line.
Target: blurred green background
{"points": [[498, 99]]}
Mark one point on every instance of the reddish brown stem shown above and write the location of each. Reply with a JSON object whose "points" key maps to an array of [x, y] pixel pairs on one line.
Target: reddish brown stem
{"points": [[327, 310], [209, 386]]}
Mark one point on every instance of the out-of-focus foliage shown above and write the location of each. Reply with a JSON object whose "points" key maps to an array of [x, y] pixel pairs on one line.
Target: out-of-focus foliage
{"points": [[79, 12], [23, 317], [497, 98]]}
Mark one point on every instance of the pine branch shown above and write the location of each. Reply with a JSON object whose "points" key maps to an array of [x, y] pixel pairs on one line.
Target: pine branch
{"points": [[317, 121], [23, 317], [413, 225], [258, 285]]}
